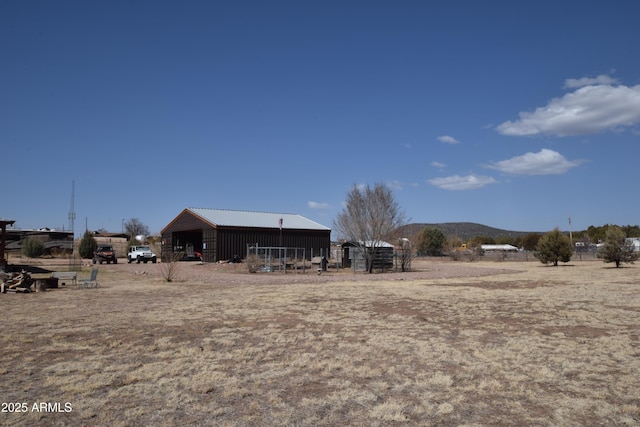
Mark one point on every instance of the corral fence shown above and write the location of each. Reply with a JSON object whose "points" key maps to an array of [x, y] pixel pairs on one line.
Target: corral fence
{"points": [[267, 259], [276, 258]]}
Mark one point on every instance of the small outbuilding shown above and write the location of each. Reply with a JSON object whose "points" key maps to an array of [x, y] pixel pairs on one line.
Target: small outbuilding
{"points": [[353, 255], [221, 235]]}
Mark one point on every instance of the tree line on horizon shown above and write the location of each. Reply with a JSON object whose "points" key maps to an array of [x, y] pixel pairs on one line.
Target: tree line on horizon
{"points": [[372, 215]]}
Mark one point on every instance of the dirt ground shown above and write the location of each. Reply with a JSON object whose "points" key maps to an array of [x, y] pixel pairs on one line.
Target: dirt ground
{"points": [[450, 343]]}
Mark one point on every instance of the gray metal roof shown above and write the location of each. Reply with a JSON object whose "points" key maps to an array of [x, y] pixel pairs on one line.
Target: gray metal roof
{"points": [[231, 218]]}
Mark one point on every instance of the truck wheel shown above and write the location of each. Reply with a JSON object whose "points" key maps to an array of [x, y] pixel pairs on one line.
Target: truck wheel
{"points": [[129, 259], [138, 260], [115, 260], [153, 260]]}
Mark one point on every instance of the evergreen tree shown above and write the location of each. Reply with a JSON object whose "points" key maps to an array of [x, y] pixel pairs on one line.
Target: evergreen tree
{"points": [[87, 245], [553, 247], [615, 248], [530, 241], [432, 242]]}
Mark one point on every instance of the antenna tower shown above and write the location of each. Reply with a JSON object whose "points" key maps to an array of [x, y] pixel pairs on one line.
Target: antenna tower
{"points": [[72, 213]]}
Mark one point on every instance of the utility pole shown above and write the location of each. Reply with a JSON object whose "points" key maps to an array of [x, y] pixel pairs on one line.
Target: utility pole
{"points": [[72, 213], [570, 232], [72, 219]]}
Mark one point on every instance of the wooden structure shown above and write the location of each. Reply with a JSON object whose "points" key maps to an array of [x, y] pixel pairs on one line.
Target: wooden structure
{"points": [[353, 255], [3, 226], [224, 235]]}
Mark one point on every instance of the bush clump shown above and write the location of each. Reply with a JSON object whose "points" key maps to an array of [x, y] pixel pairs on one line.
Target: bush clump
{"points": [[88, 245], [32, 248]]}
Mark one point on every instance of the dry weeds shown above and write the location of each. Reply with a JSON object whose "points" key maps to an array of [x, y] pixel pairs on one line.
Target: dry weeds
{"points": [[451, 344]]}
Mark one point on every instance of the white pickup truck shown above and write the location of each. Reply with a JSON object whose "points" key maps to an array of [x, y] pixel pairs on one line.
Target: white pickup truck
{"points": [[141, 253]]}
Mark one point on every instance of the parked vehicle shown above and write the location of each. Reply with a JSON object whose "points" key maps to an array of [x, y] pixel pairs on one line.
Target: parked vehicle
{"points": [[141, 253], [104, 253]]}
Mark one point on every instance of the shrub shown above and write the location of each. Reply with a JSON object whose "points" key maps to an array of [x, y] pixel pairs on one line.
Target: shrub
{"points": [[553, 247], [169, 268], [253, 262], [616, 249], [88, 245], [32, 248]]}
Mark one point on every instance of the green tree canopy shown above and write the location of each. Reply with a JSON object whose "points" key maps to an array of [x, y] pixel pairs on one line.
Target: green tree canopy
{"points": [[432, 242], [87, 245], [553, 247], [481, 240], [631, 230], [32, 247], [530, 241], [615, 248], [598, 234]]}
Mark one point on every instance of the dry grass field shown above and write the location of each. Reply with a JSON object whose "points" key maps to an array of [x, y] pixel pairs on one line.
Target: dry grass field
{"points": [[464, 344]]}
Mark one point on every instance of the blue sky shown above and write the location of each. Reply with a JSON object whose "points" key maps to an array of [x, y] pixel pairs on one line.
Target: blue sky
{"points": [[512, 114]]}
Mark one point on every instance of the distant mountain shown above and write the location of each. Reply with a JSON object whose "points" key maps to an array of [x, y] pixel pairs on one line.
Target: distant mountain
{"points": [[463, 230]]}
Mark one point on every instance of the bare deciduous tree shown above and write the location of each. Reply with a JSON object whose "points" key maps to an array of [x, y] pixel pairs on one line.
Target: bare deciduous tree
{"points": [[169, 268], [404, 252], [134, 227], [370, 215]]}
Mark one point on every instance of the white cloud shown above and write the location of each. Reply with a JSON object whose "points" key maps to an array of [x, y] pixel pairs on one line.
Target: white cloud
{"points": [[590, 109], [438, 164], [448, 139], [318, 205], [395, 184], [602, 79], [399, 185], [456, 182], [546, 162]]}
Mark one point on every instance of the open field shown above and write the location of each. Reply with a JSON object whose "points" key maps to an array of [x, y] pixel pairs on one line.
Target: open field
{"points": [[482, 343]]}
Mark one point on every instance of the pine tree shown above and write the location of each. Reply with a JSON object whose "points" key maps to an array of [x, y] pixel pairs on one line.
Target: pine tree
{"points": [[615, 248], [87, 245], [553, 247], [432, 241]]}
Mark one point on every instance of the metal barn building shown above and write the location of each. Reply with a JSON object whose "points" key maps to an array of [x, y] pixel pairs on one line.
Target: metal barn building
{"points": [[220, 234]]}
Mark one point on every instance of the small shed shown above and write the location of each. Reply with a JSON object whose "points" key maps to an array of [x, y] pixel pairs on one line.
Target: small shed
{"points": [[220, 234], [353, 255]]}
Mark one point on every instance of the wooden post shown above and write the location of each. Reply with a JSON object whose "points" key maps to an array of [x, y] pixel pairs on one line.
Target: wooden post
{"points": [[3, 225]]}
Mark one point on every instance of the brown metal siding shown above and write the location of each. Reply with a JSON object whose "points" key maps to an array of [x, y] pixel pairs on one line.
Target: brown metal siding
{"points": [[167, 248], [186, 222], [183, 223], [223, 243], [209, 240], [234, 241]]}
